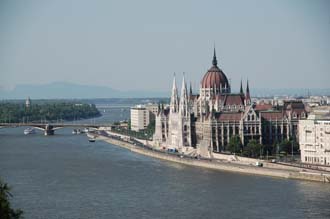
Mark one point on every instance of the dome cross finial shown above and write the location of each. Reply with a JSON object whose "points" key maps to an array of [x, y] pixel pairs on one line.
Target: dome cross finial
{"points": [[214, 61]]}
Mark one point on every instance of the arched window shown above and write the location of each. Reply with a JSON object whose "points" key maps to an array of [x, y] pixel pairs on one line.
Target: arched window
{"points": [[294, 115]]}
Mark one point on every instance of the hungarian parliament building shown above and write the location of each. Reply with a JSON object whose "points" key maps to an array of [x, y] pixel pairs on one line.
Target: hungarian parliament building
{"points": [[209, 119]]}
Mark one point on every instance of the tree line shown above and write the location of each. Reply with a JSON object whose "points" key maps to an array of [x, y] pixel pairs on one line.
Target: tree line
{"points": [[145, 134], [16, 112], [254, 149]]}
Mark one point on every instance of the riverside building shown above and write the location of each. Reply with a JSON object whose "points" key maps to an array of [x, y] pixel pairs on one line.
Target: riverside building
{"points": [[139, 117], [209, 119], [314, 138]]}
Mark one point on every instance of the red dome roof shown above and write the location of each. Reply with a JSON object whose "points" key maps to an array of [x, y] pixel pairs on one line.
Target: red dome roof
{"points": [[214, 77]]}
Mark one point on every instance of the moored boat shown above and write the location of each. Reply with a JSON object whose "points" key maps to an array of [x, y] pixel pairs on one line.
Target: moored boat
{"points": [[29, 131], [92, 138]]}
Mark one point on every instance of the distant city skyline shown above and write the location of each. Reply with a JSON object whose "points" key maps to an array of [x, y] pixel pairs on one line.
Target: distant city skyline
{"points": [[138, 45]]}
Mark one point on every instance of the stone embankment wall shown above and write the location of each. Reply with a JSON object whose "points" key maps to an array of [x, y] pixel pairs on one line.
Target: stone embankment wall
{"points": [[224, 166], [252, 161]]}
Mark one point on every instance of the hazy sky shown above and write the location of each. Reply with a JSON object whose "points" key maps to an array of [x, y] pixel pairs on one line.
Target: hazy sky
{"points": [[140, 44]]}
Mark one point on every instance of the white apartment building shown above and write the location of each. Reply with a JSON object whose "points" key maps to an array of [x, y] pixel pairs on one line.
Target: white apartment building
{"points": [[139, 117], [152, 108], [314, 138]]}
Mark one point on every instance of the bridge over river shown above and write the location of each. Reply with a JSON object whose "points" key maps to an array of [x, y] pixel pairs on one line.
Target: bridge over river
{"points": [[49, 128]]}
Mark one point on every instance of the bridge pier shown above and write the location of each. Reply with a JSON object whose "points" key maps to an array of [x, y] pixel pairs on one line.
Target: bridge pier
{"points": [[49, 130]]}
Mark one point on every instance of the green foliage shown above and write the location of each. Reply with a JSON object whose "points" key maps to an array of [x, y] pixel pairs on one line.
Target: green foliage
{"points": [[151, 127], [285, 146], [6, 212], [235, 144], [14, 112], [145, 134], [129, 124], [253, 149]]}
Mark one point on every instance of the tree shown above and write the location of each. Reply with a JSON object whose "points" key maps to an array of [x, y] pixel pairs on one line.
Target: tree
{"points": [[253, 149], [235, 144], [285, 146], [15, 112], [129, 124], [6, 212]]}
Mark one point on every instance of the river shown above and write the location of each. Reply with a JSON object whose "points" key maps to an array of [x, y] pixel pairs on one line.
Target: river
{"points": [[65, 176]]}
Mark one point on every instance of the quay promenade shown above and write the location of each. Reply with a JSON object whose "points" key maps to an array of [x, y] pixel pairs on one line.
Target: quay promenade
{"points": [[216, 164]]}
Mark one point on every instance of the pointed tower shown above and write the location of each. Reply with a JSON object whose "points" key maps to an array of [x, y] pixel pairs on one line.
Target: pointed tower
{"points": [[241, 90], [184, 98], [159, 109], [214, 61], [190, 100], [174, 105], [247, 94], [190, 90]]}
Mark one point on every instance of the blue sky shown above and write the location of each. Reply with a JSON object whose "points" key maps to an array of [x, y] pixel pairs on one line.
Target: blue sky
{"points": [[138, 45]]}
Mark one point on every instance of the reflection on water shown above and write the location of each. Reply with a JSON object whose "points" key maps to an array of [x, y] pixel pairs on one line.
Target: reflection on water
{"points": [[65, 176]]}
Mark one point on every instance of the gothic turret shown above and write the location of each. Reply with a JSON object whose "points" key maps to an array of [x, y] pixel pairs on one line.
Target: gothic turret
{"points": [[184, 99], [190, 90], [241, 90], [247, 94], [174, 105]]}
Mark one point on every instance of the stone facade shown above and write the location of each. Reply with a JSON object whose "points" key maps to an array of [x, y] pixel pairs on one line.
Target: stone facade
{"points": [[213, 116], [314, 139]]}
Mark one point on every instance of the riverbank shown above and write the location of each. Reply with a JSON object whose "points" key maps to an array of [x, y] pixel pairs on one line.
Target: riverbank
{"points": [[289, 173], [46, 111]]}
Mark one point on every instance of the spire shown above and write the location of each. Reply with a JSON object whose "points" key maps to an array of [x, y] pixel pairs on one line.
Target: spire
{"points": [[214, 61], [184, 97], [190, 90], [241, 90], [159, 108], [174, 105], [247, 94]]}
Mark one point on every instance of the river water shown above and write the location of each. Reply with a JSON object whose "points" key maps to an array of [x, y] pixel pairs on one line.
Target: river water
{"points": [[65, 176]]}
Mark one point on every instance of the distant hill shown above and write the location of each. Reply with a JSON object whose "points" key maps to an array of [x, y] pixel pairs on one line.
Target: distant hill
{"points": [[65, 90], [295, 92], [58, 90]]}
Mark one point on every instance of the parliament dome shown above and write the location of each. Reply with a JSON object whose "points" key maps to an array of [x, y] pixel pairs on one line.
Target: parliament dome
{"points": [[214, 77]]}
